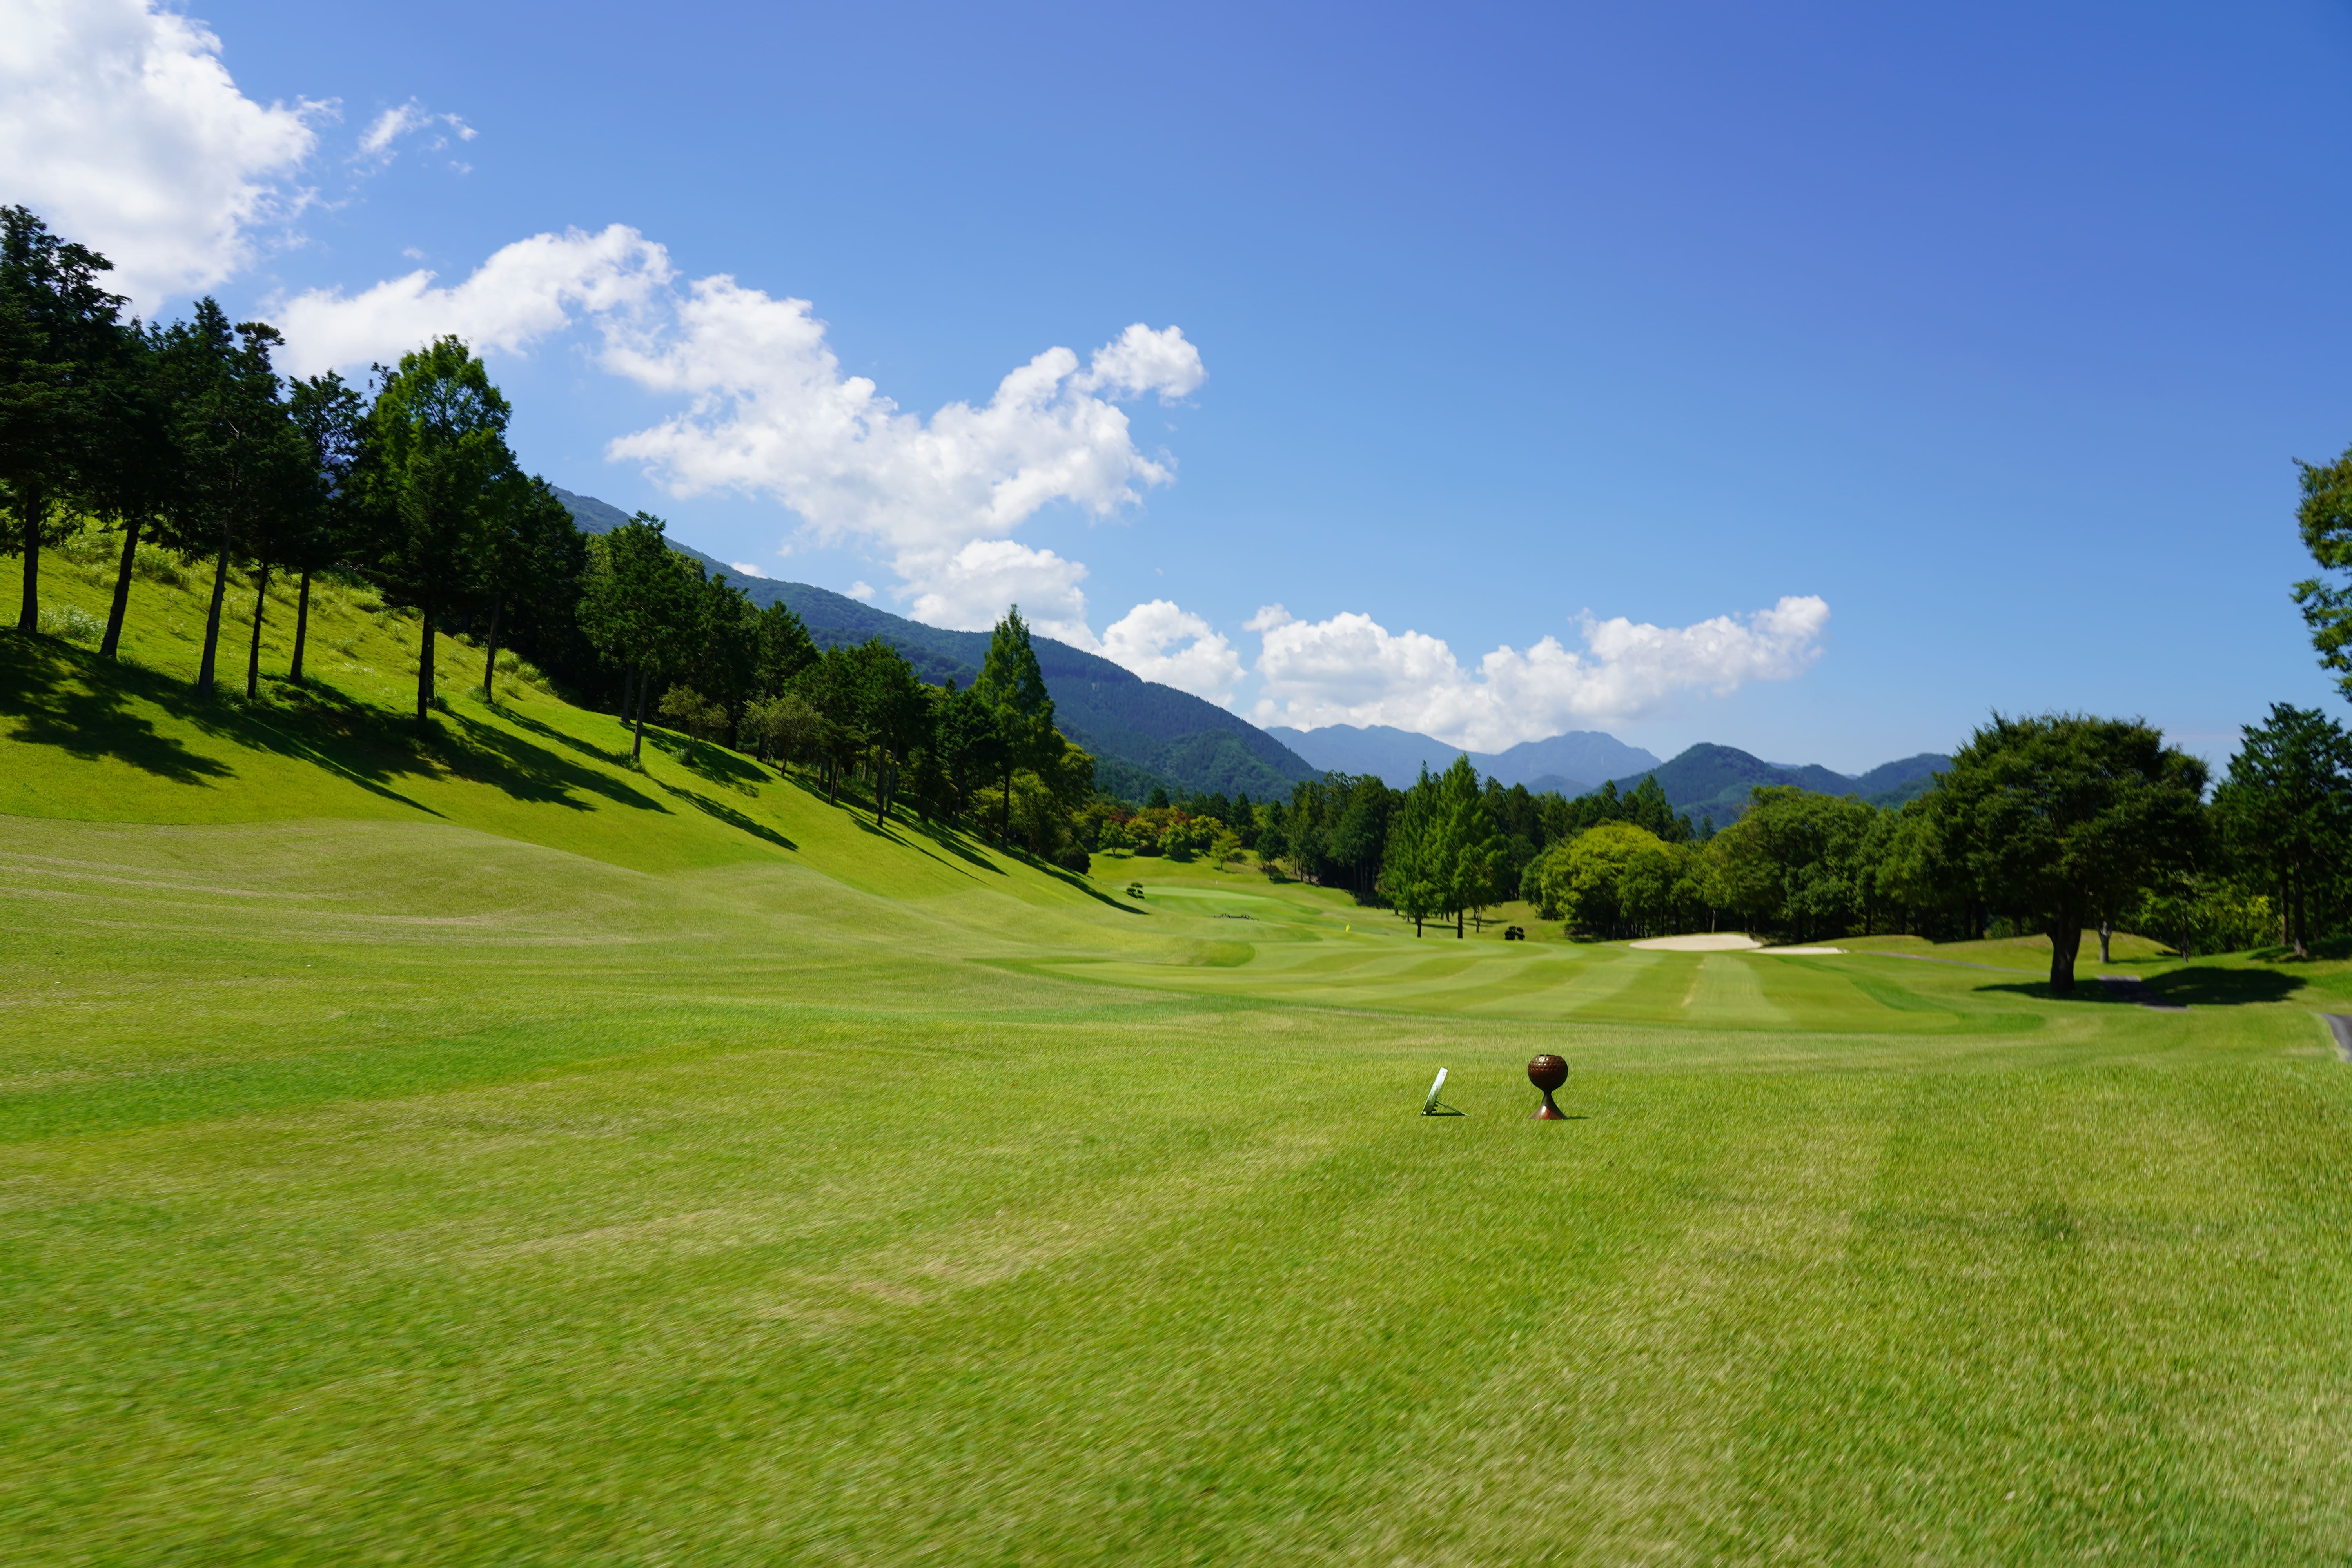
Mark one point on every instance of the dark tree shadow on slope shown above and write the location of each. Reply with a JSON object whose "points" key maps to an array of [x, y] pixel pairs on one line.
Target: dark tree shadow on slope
{"points": [[731, 769], [728, 815], [618, 756], [54, 698], [488, 754], [68, 697]]}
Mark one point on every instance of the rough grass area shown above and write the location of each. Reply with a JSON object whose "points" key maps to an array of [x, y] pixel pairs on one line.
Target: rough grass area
{"points": [[477, 1152]]}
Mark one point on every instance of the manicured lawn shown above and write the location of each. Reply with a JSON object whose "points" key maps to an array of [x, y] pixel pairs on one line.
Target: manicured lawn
{"points": [[535, 1165]]}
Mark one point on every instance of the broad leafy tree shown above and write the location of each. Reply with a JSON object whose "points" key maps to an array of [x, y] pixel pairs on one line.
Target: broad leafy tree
{"points": [[1796, 861], [2056, 820], [2285, 812], [1617, 879]]}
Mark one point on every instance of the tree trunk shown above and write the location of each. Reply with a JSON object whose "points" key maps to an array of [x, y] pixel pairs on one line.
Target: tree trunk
{"points": [[1416, 928], [637, 740], [111, 647], [2302, 922], [2065, 942], [212, 621], [490, 659], [628, 693], [424, 666], [301, 627], [253, 655], [2107, 937], [1457, 925], [1005, 829], [34, 512]]}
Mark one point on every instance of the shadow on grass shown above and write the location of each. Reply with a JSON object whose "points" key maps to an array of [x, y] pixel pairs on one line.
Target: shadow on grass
{"points": [[57, 699], [730, 770], [73, 700], [493, 756], [2332, 947], [520, 720], [70, 699], [729, 816], [2196, 987], [2211, 987]]}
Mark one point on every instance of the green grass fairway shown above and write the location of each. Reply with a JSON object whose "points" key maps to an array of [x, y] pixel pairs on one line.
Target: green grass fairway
{"points": [[486, 1153]]}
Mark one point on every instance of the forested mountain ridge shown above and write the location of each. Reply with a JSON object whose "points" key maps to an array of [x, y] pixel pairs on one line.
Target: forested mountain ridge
{"points": [[1711, 780], [1143, 734], [1569, 763]]}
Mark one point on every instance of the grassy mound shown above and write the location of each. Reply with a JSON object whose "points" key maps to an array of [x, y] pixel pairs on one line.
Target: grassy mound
{"points": [[478, 1151]]}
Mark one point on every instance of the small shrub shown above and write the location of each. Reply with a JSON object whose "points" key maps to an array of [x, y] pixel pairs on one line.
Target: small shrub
{"points": [[158, 565], [89, 545], [72, 623]]}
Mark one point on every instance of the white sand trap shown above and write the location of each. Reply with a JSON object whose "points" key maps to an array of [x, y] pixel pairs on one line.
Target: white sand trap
{"points": [[1706, 941], [1803, 952]]}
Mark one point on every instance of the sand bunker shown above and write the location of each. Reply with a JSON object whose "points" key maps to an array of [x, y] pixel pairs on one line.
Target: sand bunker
{"points": [[1723, 942]]}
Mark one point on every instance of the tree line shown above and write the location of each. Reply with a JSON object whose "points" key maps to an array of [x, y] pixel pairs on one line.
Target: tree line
{"points": [[2048, 825]]}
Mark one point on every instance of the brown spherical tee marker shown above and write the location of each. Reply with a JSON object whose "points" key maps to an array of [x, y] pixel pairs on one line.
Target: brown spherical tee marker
{"points": [[1548, 1073]]}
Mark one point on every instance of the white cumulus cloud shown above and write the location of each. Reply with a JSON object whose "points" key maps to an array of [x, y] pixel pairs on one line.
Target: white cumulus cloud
{"points": [[968, 589], [119, 126], [525, 292], [1349, 669], [767, 411], [770, 413], [1161, 642]]}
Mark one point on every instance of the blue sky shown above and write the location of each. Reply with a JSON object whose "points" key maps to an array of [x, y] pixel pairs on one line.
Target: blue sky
{"points": [[1993, 332]]}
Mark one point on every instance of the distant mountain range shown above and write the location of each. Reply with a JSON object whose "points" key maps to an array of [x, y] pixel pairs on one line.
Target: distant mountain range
{"points": [[1143, 734], [1571, 764], [1713, 781], [1704, 780], [1146, 735]]}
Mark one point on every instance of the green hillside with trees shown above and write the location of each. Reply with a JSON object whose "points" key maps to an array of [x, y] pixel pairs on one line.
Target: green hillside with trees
{"points": [[1143, 735]]}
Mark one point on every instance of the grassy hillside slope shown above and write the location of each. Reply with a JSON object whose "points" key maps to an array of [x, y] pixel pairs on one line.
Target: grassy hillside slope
{"points": [[485, 1153]]}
